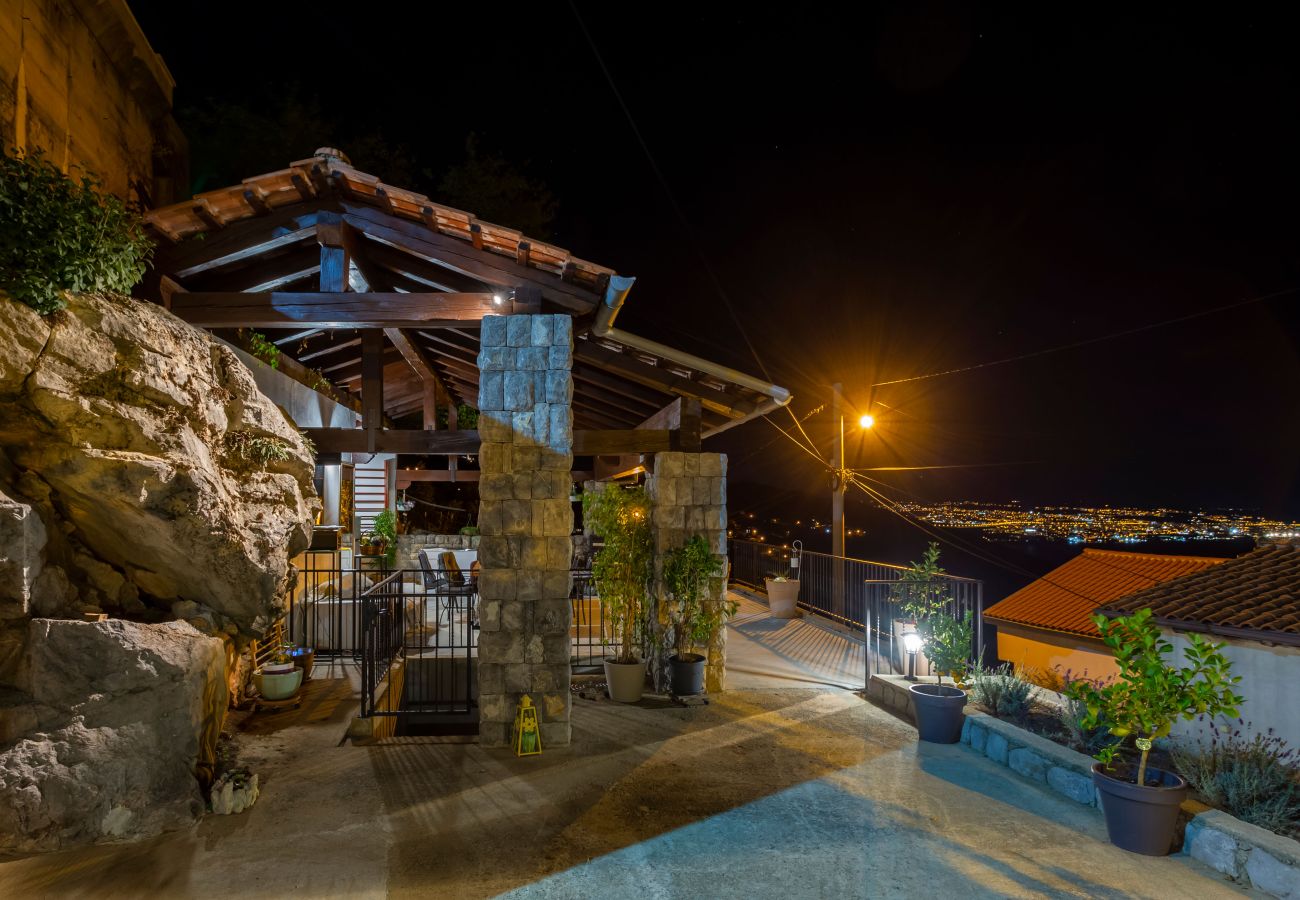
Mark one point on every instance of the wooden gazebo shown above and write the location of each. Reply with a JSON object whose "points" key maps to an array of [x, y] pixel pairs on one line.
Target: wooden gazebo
{"points": [[382, 291]]}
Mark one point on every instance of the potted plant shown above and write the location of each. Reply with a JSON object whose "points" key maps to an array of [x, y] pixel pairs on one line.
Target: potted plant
{"points": [[695, 621], [1140, 802], [278, 678], [782, 596], [922, 594], [385, 530], [939, 707], [622, 570], [302, 657]]}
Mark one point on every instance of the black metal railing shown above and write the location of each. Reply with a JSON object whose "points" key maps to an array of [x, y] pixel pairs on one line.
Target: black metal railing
{"points": [[592, 635], [862, 595], [419, 645]]}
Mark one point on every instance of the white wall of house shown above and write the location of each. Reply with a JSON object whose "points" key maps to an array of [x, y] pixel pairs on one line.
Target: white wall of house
{"points": [[1269, 680]]}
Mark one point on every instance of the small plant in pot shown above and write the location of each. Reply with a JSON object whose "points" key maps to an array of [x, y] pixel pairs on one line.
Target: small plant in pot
{"points": [[1140, 802], [621, 570], [695, 619], [939, 707]]}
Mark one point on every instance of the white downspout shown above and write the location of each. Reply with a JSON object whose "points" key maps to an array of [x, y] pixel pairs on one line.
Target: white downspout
{"points": [[603, 326]]}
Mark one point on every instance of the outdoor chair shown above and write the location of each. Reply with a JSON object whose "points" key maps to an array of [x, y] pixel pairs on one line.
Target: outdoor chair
{"points": [[446, 583]]}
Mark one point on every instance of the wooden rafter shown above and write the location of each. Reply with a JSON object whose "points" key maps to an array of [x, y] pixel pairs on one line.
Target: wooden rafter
{"points": [[330, 310]]}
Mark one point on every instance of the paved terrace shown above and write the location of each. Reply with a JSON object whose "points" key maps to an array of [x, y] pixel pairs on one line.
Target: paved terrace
{"points": [[786, 786]]}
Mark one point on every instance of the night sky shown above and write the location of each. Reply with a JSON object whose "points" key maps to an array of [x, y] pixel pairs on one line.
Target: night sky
{"points": [[923, 188]]}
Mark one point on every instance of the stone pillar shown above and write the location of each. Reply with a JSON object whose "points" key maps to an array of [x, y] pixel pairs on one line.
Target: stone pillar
{"points": [[525, 523], [688, 492]]}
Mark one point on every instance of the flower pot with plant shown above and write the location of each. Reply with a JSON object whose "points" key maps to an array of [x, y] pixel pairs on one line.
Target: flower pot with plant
{"points": [[782, 596], [1140, 802], [385, 530], [694, 615], [939, 707], [621, 570]]}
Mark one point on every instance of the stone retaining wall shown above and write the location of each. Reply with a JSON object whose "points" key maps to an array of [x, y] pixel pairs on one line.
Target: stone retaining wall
{"points": [[1065, 771], [408, 545], [1247, 854]]}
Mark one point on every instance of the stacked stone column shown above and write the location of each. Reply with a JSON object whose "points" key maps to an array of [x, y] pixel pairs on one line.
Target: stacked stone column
{"points": [[525, 523], [688, 493]]}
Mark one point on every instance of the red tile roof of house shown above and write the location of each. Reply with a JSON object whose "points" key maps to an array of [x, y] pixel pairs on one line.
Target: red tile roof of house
{"points": [[1065, 598], [1255, 596]]}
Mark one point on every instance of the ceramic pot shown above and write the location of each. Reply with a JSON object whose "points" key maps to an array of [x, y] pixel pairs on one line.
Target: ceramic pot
{"points": [[783, 598], [626, 681], [278, 687]]}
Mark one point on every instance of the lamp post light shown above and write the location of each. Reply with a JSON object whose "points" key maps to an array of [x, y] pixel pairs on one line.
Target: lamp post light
{"points": [[839, 484], [912, 644]]}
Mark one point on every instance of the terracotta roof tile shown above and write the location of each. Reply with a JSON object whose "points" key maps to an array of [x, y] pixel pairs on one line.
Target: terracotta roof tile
{"points": [[1256, 592], [1063, 599]]}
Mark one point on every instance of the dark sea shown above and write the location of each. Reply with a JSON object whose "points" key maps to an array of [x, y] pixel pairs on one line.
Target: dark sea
{"points": [[1004, 566]]}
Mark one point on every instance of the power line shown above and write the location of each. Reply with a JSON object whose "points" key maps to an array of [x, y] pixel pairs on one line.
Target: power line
{"points": [[1094, 340], [672, 198]]}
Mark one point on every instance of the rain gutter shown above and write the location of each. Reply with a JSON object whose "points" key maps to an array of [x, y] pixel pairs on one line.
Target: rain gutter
{"points": [[603, 326]]}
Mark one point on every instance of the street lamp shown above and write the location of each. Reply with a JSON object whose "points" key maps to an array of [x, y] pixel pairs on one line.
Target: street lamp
{"points": [[912, 644]]}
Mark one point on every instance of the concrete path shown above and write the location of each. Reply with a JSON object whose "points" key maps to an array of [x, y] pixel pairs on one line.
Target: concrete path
{"points": [[763, 652], [788, 793]]}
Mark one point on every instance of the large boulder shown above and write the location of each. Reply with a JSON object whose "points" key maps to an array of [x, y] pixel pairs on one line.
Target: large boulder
{"points": [[127, 713], [164, 475]]}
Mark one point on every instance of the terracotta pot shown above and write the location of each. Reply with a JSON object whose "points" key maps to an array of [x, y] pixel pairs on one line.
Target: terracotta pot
{"points": [[626, 681], [1141, 819], [783, 598]]}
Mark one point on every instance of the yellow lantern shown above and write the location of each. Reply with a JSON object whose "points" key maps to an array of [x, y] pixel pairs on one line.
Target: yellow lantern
{"points": [[528, 737]]}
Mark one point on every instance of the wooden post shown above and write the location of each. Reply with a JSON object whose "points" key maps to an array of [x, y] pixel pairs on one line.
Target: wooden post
{"points": [[372, 384], [453, 422], [333, 258]]}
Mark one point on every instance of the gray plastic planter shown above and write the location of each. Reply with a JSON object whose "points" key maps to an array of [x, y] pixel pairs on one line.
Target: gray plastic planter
{"points": [[687, 674], [938, 709], [1141, 819]]}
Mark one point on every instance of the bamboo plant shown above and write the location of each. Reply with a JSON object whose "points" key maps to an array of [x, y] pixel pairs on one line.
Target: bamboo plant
{"points": [[622, 568]]}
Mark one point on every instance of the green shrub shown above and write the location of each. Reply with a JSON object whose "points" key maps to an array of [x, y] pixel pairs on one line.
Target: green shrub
{"points": [[258, 449], [1256, 780], [1072, 716], [1001, 692], [386, 527], [687, 571], [57, 235]]}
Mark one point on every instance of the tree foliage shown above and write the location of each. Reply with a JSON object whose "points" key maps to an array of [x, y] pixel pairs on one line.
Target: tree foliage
{"points": [[622, 568], [59, 234], [1150, 694], [687, 571]]}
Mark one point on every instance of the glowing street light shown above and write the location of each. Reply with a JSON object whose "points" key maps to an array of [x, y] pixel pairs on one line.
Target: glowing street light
{"points": [[866, 421]]}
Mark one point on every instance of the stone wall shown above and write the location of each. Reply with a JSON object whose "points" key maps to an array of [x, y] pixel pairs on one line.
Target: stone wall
{"points": [[688, 493], [525, 522], [80, 81], [409, 545]]}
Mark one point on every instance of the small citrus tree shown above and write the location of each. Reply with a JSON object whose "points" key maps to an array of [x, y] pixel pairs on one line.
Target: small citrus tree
{"points": [[1150, 695], [923, 594], [687, 571], [623, 566]]}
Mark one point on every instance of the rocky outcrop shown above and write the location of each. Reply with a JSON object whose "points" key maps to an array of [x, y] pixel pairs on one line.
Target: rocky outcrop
{"points": [[162, 475], [124, 714]]}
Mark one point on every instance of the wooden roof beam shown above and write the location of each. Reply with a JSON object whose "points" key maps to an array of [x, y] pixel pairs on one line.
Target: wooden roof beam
{"points": [[330, 310]]}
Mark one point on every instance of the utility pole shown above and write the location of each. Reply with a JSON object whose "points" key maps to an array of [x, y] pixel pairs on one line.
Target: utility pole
{"points": [[837, 499]]}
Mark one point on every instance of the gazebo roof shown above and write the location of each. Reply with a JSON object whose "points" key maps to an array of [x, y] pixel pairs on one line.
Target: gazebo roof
{"points": [[313, 254]]}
